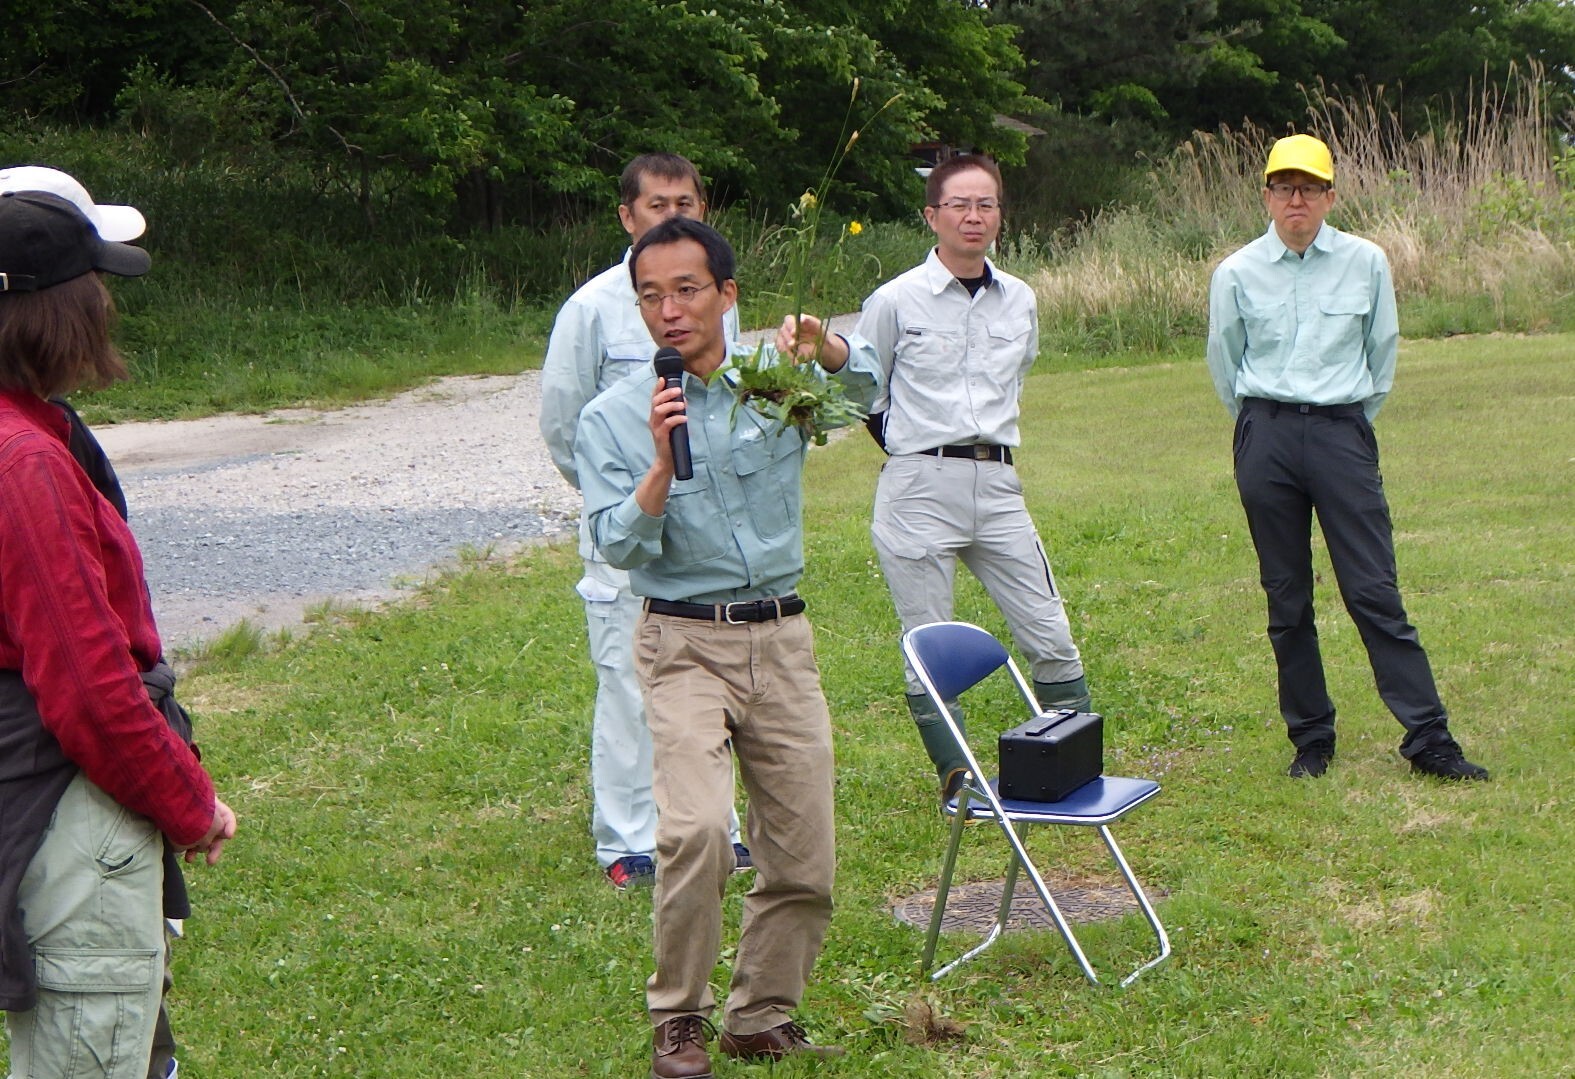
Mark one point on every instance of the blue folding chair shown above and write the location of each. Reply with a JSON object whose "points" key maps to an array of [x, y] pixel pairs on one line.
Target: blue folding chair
{"points": [[949, 658]]}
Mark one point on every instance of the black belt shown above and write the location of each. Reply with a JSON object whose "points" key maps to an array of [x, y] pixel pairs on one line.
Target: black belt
{"points": [[973, 451], [746, 610], [1332, 411]]}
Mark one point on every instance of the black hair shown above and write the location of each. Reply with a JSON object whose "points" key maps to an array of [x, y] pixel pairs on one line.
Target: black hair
{"points": [[961, 163], [666, 166], [719, 257]]}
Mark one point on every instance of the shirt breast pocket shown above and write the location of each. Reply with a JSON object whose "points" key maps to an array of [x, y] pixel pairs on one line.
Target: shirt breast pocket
{"points": [[1008, 344], [769, 480], [928, 349], [1006, 332], [1266, 325], [693, 530], [624, 358], [1342, 326]]}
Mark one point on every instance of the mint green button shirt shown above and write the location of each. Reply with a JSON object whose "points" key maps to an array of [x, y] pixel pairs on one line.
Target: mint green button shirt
{"points": [[1319, 329], [733, 532]]}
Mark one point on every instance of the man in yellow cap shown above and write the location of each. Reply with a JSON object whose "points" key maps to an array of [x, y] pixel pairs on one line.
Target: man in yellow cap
{"points": [[1303, 335]]}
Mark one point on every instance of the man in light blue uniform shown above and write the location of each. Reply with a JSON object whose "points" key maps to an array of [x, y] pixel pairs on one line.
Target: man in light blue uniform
{"points": [[1303, 335], [725, 655], [599, 338]]}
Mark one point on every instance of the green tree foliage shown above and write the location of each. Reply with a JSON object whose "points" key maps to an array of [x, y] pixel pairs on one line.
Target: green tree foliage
{"points": [[392, 99], [1110, 58], [1149, 72], [494, 110], [944, 71], [1262, 54], [487, 112], [1425, 55], [1186, 64], [69, 58], [1108, 70]]}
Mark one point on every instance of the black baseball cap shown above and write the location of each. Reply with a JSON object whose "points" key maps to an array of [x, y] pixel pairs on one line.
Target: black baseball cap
{"points": [[46, 240]]}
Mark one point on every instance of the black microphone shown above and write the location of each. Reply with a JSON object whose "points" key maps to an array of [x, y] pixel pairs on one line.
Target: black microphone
{"points": [[670, 369]]}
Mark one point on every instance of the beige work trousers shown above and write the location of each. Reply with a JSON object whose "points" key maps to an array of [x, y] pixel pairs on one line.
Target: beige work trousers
{"points": [[713, 690]]}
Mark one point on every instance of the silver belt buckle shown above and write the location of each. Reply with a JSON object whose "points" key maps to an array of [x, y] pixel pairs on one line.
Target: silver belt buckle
{"points": [[727, 612], [981, 452]]}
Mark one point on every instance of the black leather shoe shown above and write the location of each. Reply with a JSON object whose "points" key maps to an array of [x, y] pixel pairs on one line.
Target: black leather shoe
{"points": [[788, 1039], [1446, 761], [1311, 761], [678, 1049]]}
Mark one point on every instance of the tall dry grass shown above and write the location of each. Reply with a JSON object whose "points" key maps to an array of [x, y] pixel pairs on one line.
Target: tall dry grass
{"points": [[1477, 214]]}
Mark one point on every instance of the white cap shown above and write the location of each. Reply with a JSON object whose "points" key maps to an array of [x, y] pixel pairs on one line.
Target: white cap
{"points": [[114, 223]]}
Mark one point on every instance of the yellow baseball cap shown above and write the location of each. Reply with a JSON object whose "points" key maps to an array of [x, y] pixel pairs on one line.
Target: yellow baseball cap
{"points": [[1300, 153]]}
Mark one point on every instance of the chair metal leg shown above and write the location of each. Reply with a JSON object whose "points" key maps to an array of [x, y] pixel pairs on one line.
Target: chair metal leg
{"points": [[1143, 904], [943, 889], [1008, 891], [1019, 859], [1003, 916], [1054, 909]]}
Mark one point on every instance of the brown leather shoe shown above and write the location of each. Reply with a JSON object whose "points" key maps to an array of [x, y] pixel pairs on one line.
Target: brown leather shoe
{"points": [[774, 1044], [678, 1049]]}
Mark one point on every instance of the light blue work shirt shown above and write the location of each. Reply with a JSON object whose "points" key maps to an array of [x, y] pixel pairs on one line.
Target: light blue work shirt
{"points": [[954, 361], [733, 532], [597, 339], [1319, 329]]}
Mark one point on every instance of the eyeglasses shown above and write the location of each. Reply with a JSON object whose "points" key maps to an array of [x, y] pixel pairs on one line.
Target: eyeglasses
{"points": [[1308, 192], [683, 296], [962, 206]]}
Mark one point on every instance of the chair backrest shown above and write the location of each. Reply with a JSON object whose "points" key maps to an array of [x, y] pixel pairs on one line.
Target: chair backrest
{"points": [[954, 655]]}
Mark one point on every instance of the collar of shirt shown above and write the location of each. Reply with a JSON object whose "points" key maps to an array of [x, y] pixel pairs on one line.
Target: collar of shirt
{"points": [[937, 276], [1277, 250], [622, 286], [44, 413]]}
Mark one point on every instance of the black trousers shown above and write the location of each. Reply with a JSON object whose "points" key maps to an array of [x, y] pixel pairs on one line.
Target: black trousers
{"points": [[1289, 464]]}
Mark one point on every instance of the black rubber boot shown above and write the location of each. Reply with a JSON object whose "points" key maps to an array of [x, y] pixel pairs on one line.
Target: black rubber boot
{"points": [[1072, 694], [950, 764]]}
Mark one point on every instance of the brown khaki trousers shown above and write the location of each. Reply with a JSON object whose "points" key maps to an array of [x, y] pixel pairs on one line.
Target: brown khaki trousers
{"points": [[713, 690]]}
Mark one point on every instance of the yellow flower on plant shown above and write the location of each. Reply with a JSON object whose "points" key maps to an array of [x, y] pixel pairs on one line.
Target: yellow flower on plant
{"points": [[807, 201], [854, 228]]}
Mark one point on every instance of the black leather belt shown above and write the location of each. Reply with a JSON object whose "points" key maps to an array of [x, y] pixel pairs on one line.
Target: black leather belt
{"points": [[973, 451], [747, 610], [1332, 411]]}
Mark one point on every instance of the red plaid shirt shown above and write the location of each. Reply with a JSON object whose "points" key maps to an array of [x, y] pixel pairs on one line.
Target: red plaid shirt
{"points": [[76, 620]]}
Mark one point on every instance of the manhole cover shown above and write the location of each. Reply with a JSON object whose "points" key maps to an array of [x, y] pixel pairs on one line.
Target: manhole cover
{"points": [[974, 907]]}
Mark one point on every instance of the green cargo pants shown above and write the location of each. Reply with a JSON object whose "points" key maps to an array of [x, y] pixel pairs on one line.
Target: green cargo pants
{"points": [[92, 902]]}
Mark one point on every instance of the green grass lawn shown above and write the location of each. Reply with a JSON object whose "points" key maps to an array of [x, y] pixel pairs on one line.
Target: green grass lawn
{"points": [[413, 891]]}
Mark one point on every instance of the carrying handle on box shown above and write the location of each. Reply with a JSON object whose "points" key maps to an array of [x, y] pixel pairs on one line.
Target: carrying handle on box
{"points": [[1053, 718]]}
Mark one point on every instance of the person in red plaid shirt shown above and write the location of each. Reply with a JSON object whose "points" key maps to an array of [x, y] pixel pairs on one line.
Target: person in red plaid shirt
{"points": [[96, 769]]}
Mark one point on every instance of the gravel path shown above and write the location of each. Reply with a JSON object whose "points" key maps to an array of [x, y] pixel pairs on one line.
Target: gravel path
{"points": [[261, 517]]}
